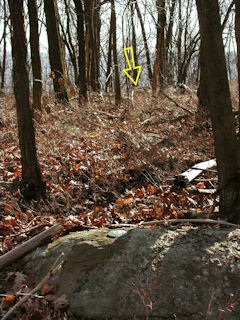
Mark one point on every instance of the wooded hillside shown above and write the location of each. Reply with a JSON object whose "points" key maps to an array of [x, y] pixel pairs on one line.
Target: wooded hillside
{"points": [[118, 113]]}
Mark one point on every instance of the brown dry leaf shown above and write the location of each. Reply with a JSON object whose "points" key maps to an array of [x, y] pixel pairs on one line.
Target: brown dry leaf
{"points": [[46, 289], [123, 202], [7, 301]]}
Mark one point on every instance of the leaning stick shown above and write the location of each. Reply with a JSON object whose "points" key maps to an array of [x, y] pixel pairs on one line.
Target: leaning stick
{"points": [[27, 246], [175, 102]]}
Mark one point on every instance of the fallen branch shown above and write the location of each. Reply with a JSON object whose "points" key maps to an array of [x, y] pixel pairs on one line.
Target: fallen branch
{"points": [[176, 103], [172, 221], [109, 115], [27, 246], [55, 267], [201, 221], [29, 230]]}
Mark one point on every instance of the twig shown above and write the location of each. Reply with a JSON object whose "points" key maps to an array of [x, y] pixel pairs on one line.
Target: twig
{"points": [[29, 230], [172, 221], [23, 294], [201, 221], [176, 103], [122, 225], [55, 267]]}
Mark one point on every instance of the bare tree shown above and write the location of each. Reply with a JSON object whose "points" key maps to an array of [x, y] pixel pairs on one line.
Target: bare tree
{"points": [[169, 42], [179, 39], [134, 40], [160, 56], [203, 95], [115, 57], [81, 51], [109, 56], [147, 52], [226, 144], [35, 54], [237, 35], [97, 31], [67, 38], [55, 49], [31, 185], [4, 37]]}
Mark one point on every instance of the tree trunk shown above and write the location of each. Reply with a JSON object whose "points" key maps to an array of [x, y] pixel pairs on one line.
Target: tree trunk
{"points": [[31, 185], [3, 70], [150, 76], [68, 41], [93, 46], [237, 35], [97, 32], [115, 58], [158, 66], [81, 52], [170, 26], [203, 95], [93, 25], [109, 57], [179, 42], [226, 144], [169, 45], [55, 49], [35, 54], [134, 41], [87, 14]]}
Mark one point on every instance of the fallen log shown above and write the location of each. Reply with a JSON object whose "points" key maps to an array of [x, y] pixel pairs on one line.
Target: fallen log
{"points": [[27, 246]]}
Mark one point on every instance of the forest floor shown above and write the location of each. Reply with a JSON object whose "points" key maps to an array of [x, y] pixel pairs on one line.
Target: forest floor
{"points": [[106, 165]]}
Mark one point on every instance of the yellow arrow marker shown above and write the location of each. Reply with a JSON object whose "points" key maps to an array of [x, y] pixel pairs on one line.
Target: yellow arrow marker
{"points": [[131, 67]]}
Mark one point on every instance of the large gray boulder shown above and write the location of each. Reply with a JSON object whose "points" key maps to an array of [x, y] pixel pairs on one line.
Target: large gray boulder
{"points": [[180, 272]]}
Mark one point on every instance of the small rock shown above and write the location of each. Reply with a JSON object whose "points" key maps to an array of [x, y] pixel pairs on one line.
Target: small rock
{"points": [[116, 233]]}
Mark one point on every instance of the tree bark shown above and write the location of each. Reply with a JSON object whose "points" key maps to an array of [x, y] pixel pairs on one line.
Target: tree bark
{"points": [[134, 41], [203, 95], [179, 41], [170, 26], [150, 76], [81, 52], [237, 36], [3, 69], [35, 54], [115, 57], [226, 144], [55, 49], [88, 6], [169, 37], [93, 25], [97, 31], [109, 57], [68, 41], [158, 66], [31, 185]]}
